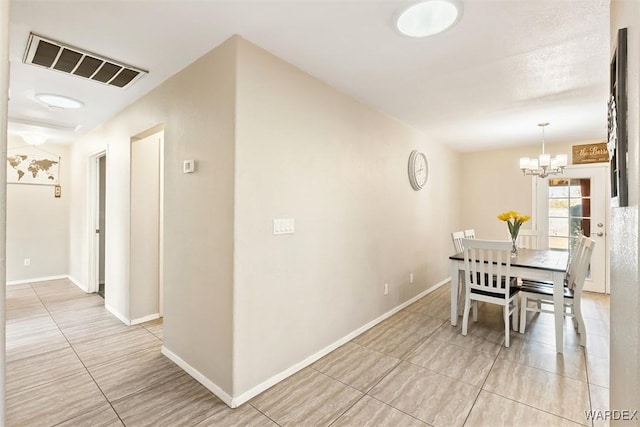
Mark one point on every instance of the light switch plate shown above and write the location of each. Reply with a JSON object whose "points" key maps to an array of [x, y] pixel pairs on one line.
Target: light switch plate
{"points": [[284, 226], [189, 166]]}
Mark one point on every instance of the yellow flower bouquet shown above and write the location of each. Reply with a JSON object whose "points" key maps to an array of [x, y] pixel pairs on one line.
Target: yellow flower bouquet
{"points": [[514, 220]]}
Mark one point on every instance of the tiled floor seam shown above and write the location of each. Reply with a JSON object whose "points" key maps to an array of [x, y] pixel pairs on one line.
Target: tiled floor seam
{"points": [[349, 385], [347, 409], [397, 409], [268, 417], [78, 415], [524, 403], [117, 359], [532, 407], [382, 379], [366, 393], [83, 364], [449, 376], [122, 398], [548, 371], [588, 385], [147, 388], [481, 388], [417, 344]]}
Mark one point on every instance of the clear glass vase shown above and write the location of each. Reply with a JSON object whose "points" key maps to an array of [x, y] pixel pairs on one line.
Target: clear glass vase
{"points": [[514, 247]]}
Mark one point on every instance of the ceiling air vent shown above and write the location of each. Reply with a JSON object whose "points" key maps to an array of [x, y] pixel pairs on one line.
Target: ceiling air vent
{"points": [[58, 56]]}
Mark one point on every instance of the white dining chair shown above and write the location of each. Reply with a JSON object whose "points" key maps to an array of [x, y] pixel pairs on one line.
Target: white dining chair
{"points": [[542, 294], [539, 291], [456, 239], [488, 278], [572, 264], [527, 239], [470, 234]]}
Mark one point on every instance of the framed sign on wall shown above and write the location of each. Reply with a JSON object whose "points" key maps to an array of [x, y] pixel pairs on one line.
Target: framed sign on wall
{"points": [[32, 165], [617, 144], [590, 153]]}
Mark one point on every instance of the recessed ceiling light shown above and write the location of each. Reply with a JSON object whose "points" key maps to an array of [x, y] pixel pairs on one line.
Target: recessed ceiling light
{"points": [[58, 101], [428, 17]]}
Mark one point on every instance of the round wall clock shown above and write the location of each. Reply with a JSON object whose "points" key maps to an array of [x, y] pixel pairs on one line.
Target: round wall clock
{"points": [[418, 169]]}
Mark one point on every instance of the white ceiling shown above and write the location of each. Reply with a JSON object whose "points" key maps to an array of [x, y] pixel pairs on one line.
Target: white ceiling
{"points": [[486, 83]]}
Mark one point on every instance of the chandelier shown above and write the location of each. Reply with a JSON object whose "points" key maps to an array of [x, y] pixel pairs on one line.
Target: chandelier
{"points": [[544, 165]]}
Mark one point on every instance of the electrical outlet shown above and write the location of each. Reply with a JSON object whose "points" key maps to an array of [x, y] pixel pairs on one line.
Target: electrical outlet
{"points": [[27, 262], [284, 226], [386, 289], [411, 278]]}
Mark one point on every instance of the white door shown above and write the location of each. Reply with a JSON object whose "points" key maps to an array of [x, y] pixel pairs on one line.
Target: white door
{"points": [[574, 203]]}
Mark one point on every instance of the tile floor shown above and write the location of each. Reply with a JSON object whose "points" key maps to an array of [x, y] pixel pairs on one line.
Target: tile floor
{"points": [[71, 363]]}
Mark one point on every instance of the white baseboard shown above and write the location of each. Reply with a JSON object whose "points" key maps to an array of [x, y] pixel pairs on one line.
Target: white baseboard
{"points": [[85, 289], [115, 312], [210, 385], [47, 278], [37, 279], [145, 319], [78, 284], [234, 402], [251, 393]]}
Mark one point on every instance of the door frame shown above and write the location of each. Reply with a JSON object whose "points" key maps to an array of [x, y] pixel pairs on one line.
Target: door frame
{"points": [[159, 132], [537, 209], [93, 198]]}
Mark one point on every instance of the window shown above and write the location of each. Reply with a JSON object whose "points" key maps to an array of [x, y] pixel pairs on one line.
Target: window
{"points": [[569, 212]]}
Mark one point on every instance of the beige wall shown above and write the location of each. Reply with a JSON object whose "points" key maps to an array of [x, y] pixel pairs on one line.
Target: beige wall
{"points": [[197, 109], [38, 223], [302, 150], [493, 183], [625, 281], [306, 151]]}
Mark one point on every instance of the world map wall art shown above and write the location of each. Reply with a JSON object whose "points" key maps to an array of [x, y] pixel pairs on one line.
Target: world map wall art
{"points": [[30, 165]]}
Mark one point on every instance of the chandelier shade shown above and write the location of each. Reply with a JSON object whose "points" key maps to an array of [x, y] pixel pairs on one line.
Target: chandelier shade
{"points": [[544, 165]]}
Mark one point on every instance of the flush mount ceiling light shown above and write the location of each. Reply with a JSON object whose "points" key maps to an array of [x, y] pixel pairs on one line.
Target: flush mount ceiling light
{"points": [[58, 102], [33, 138], [428, 17]]}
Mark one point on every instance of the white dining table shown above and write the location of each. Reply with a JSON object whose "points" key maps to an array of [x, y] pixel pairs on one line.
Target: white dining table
{"points": [[534, 264]]}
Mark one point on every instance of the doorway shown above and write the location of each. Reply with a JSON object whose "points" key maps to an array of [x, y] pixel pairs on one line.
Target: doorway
{"points": [[101, 230], [572, 204], [97, 220], [146, 222]]}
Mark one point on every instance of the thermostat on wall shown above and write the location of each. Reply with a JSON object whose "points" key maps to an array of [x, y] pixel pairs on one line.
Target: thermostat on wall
{"points": [[189, 166]]}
